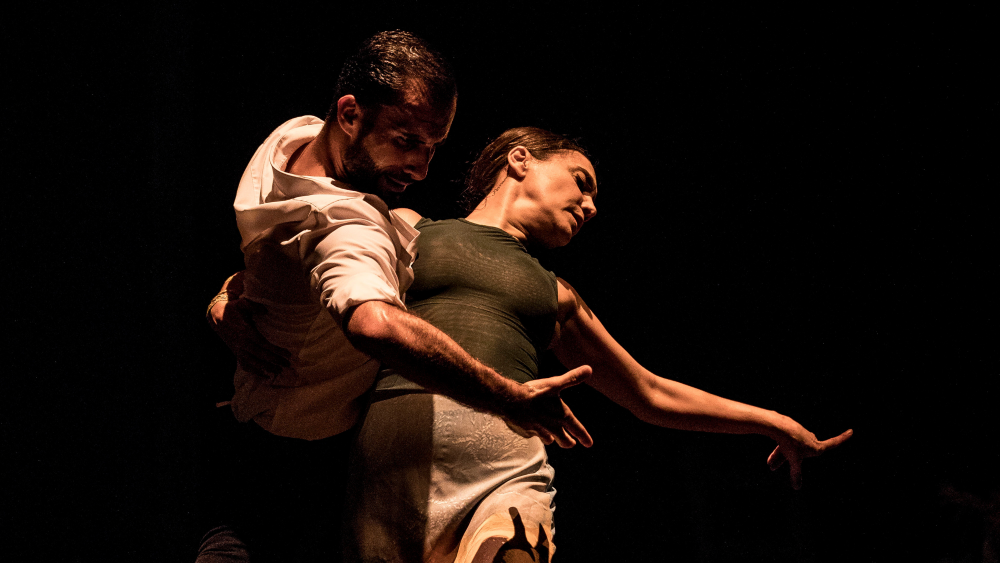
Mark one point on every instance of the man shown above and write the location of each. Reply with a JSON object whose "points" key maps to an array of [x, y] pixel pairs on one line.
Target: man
{"points": [[331, 263]]}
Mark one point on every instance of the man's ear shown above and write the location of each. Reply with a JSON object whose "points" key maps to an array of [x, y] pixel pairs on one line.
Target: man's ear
{"points": [[518, 160], [349, 115]]}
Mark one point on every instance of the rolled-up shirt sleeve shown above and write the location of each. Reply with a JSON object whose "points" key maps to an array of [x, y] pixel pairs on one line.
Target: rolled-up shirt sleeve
{"points": [[351, 257]]}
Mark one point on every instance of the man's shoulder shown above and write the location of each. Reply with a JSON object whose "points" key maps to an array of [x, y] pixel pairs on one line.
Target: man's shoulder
{"points": [[295, 123], [354, 208]]}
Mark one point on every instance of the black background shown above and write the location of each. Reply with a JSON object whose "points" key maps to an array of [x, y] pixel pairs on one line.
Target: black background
{"points": [[794, 212]]}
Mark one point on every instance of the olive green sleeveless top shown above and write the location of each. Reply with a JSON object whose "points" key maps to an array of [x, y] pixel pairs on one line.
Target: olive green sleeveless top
{"points": [[480, 286]]}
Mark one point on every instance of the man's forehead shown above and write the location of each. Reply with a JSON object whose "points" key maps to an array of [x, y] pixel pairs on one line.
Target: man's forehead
{"points": [[418, 119]]}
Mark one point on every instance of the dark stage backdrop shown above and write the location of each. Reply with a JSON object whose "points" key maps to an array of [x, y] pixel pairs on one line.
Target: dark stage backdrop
{"points": [[793, 213]]}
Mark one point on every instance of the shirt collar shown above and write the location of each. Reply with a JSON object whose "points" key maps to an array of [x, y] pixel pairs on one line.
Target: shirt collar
{"points": [[287, 185]]}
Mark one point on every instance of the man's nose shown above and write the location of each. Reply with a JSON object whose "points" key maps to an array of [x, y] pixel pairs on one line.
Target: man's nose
{"points": [[418, 163]]}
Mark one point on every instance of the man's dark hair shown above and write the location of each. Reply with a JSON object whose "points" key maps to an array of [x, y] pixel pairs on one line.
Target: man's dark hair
{"points": [[389, 65], [483, 174]]}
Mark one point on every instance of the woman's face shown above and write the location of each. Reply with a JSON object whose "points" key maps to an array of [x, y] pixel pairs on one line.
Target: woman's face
{"points": [[560, 194]]}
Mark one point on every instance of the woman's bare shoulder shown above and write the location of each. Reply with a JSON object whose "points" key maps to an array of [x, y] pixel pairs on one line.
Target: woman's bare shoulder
{"points": [[408, 215]]}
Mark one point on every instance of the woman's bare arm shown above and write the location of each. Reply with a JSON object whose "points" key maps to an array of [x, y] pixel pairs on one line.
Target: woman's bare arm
{"points": [[581, 339]]}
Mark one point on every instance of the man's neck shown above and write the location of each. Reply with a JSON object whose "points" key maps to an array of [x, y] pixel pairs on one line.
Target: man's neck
{"points": [[311, 159]]}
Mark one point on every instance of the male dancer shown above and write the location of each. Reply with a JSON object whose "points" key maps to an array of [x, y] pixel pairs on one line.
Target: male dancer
{"points": [[331, 263]]}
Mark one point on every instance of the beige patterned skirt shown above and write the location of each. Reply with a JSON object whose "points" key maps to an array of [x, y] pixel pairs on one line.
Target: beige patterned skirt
{"points": [[434, 481]]}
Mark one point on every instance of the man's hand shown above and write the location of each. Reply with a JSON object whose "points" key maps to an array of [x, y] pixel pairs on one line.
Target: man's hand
{"points": [[233, 322], [423, 354], [796, 445], [542, 412]]}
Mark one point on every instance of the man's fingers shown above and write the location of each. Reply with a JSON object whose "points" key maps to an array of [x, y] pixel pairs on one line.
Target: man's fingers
{"points": [[558, 436], [517, 429], [574, 428], [572, 377], [563, 438], [549, 413], [553, 432], [546, 437]]}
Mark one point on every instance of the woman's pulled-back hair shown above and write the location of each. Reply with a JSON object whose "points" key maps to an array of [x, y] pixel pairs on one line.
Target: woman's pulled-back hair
{"points": [[483, 175]]}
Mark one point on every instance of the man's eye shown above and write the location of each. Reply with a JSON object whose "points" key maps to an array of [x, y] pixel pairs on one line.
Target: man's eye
{"points": [[405, 143]]}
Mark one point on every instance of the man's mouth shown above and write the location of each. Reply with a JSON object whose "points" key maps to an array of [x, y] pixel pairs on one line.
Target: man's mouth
{"points": [[396, 185]]}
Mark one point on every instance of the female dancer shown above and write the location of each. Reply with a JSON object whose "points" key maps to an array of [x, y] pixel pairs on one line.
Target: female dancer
{"points": [[433, 480]]}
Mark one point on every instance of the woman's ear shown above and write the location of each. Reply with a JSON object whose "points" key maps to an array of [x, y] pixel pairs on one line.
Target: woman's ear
{"points": [[518, 162], [349, 116]]}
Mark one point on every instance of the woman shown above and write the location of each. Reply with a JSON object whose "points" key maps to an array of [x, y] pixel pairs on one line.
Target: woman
{"points": [[433, 480]]}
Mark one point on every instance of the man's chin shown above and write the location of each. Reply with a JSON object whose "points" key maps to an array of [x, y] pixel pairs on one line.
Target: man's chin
{"points": [[380, 187], [391, 198], [390, 190]]}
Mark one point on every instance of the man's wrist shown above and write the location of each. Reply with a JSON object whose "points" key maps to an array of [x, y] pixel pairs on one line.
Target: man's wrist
{"points": [[496, 394], [221, 297], [513, 396], [232, 288]]}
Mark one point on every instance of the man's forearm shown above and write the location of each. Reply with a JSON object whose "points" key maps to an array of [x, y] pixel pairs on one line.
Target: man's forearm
{"points": [[417, 350], [428, 356]]}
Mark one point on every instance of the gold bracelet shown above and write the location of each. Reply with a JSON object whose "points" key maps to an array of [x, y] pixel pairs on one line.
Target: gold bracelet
{"points": [[221, 296]]}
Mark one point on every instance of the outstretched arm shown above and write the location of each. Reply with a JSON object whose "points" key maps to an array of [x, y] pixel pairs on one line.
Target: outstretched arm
{"points": [[582, 339]]}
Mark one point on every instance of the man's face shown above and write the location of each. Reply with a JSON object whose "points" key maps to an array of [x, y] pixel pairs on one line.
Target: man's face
{"points": [[395, 150]]}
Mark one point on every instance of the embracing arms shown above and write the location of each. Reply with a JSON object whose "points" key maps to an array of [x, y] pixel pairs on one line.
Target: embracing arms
{"points": [[421, 353], [431, 358], [582, 339]]}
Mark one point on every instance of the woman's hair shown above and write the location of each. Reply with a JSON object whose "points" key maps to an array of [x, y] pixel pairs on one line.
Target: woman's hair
{"points": [[483, 174]]}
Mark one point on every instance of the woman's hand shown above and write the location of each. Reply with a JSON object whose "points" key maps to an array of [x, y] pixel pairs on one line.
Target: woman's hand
{"points": [[795, 445]]}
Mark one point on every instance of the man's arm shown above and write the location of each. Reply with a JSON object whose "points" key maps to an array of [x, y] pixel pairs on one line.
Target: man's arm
{"points": [[431, 358], [424, 354], [582, 339], [232, 319]]}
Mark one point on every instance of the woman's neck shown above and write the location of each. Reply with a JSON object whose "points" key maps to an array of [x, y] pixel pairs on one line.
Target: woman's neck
{"points": [[498, 210]]}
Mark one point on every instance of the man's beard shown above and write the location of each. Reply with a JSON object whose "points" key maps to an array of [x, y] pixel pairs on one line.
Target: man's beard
{"points": [[363, 174]]}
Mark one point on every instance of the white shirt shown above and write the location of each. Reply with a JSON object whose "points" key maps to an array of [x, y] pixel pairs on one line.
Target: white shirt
{"points": [[313, 249]]}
